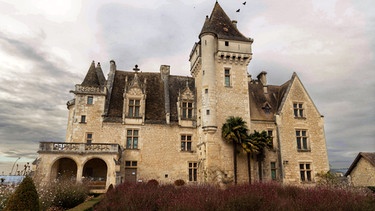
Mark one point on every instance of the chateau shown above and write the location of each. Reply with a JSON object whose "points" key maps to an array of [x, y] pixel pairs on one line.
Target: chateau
{"points": [[137, 126]]}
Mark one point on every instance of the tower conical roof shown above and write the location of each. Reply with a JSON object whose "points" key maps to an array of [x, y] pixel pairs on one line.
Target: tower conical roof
{"points": [[221, 25], [94, 76]]}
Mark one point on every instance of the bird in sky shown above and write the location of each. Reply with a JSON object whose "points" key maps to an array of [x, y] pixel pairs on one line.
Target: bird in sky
{"points": [[238, 10], [244, 3]]}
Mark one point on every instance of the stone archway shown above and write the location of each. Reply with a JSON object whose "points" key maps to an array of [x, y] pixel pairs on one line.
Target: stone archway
{"points": [[64, 168], [95, 173]]}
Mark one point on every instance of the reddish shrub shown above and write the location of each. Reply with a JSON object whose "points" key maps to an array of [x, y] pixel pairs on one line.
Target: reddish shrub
{"points": [[153, 182], [179, 182], [258, 196]]}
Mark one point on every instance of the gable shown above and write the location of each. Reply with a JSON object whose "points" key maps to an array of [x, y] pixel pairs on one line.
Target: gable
{"points": [[296, 92], [367, 156]]}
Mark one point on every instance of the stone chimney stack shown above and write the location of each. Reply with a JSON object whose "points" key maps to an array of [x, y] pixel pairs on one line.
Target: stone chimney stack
{"points": [[262, 77], [164, 72]]}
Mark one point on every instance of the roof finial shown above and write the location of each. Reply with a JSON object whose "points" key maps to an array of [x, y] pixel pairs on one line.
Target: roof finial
{"points": [[136, 69]]}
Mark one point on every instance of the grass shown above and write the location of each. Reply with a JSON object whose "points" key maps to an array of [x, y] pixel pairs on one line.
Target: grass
{"points": [[88, 205]]}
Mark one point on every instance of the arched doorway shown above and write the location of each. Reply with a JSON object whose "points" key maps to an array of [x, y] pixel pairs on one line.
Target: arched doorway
{"points": [[64, 168], [95, 173]]}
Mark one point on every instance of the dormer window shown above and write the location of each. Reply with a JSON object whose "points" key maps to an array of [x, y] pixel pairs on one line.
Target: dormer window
{"points": [[134, 108], [187, 109]]}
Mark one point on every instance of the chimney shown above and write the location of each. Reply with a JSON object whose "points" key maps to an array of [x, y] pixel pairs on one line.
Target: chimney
{"points": [[164, 72], [234, 22], [263, 79], [109, 83]]}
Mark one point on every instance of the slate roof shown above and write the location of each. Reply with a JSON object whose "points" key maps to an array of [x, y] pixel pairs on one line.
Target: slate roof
{"points": [[155, 97], [221, 25], [94, 76], [369, 156], [259, 100]]}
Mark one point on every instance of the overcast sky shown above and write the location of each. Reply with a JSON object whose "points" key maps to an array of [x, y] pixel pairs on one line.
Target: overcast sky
{"points": [[46, 47]]}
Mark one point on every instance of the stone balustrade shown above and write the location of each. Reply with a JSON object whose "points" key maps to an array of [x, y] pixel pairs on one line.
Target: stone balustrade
{"points": [[64, 147]]}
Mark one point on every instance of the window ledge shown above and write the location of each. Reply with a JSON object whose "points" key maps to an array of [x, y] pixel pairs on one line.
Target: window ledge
{"points": [[298, 117], [304, 150], [191, 151], [82, 122], [228, 86]]}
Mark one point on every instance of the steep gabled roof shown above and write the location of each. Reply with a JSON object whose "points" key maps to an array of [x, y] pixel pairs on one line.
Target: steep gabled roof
{"points": [[369, 156], [287, 90], [94, 76], [263, 106], [155, 111], [221, 25]]}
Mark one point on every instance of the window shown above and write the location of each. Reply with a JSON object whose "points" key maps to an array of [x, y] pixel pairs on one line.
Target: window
{"points": [[90, 100], [208, 112], [134, 107], [298, 110], [226, 43], [83, 119], [273, 170], [227, 77], [185, 142], [132, 139], [301, 138], [187, 110], [270, 134], [206, 91], [88, 138], [305, 172], [193, 168], [129, 163]]}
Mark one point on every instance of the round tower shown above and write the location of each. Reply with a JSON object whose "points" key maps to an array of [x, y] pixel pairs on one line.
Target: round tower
{"points": [[208, 48]]}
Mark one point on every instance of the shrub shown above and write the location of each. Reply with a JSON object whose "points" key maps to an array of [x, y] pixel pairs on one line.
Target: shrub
{"points": [[5, 192], [153, 182], [258, 196], [63, 194], [179, 182], [25, 197]]}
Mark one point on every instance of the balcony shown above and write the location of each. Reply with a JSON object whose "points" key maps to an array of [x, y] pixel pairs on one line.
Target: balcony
{"points": [[81, 148]]}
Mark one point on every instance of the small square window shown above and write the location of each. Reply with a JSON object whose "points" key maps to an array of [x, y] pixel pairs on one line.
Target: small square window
{"points": [[226, 43], [206, 91], [208, 112], [89, 138], [90, 100]]}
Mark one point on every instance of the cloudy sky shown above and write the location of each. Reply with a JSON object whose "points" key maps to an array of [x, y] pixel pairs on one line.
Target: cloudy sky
{"points": [[46, 47]]}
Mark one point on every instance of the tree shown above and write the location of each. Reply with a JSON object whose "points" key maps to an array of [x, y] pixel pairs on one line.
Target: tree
{"points": [[25, 197], [261, 142], [250, 148], [234, 131]]}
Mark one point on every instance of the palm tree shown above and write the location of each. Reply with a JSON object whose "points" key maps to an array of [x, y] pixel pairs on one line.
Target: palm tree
{"points": [[234, 131], [262, 141], [250, 148]]}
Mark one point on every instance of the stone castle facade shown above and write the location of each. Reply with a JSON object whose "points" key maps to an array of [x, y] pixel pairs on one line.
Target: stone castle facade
{"points": [[137, 126]]}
